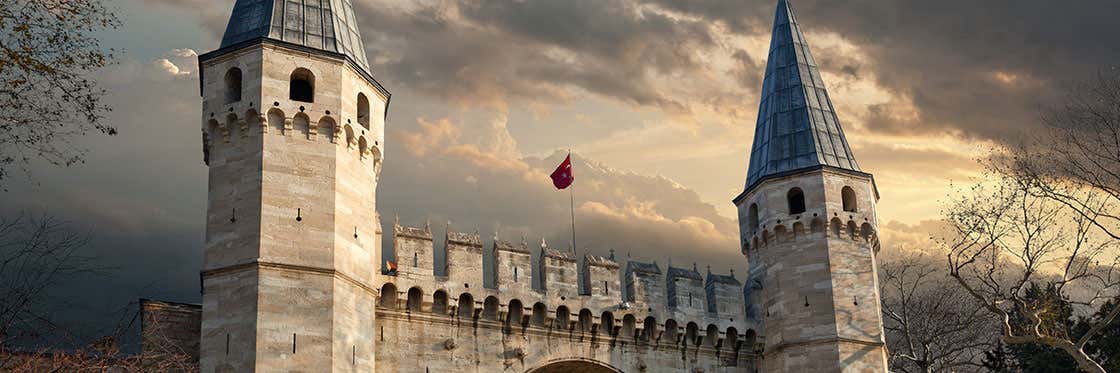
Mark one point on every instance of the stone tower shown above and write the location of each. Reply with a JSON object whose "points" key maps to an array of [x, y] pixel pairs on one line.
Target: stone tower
{"points": [[293, 128], [807, 221]]}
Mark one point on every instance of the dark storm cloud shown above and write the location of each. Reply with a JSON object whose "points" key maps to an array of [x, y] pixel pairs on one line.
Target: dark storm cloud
{"points": [[978, 67], [491, 50]]}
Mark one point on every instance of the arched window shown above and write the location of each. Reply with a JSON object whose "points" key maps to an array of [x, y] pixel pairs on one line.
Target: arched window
{"points": [[439, 302], [540, 312], [515, 313], [563, 318], [649, 329], [415, 299], [866, 231], [388, 296], [301, 86], [691, 333], [711, 336], [363, 110], [731, 339], [490, 308], [606, 323], [796, 199], [585, 320], [816, 226], [670, 335], [752, 217], [466, 306], [848, 195], [233, 85], [629, 323]]}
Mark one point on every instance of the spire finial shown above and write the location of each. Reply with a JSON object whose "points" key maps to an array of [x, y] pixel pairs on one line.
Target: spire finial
{"points": [[709, 270], [733, 273], [428, 225], [612, 254], [694, 267], [544, 245]]}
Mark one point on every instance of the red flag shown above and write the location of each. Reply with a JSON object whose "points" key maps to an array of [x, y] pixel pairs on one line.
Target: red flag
{"points": [[563, 177]]}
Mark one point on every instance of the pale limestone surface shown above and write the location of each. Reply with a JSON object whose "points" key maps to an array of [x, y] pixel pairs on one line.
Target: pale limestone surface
{"points": [[281, 293], [813, 281], [308, 294]]}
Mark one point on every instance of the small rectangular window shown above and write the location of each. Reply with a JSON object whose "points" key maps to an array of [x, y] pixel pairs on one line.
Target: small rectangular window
{"points": [[514, 274]]}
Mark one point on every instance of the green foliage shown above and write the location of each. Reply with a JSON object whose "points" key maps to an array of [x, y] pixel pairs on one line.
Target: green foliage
{"points": [[1105, 348], [1058, 320]]}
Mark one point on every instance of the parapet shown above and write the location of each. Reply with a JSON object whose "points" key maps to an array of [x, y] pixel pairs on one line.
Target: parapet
{"points": [[560, 273], [724, 294], [645, 286], [621, 301], [513, 268], [413, 255], [464, 260], [685, 290]]}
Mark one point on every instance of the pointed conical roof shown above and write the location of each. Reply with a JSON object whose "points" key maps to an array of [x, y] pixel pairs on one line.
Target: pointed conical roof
{"points": [[797, 126], [327, 25]]}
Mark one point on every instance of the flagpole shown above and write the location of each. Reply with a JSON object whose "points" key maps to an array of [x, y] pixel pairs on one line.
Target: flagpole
{"points": [[572, 201]]}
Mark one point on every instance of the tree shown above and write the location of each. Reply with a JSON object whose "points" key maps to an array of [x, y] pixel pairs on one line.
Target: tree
{"points": [[931, 326], [1006, 239], [48, 49], [1106, 347], [35, 254], [1075, 159]]}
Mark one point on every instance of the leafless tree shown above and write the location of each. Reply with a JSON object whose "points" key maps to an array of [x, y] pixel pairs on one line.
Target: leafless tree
{"points": [[35, 255], [931, 324], [1005, 238], [48, 50], [1075, 159]]}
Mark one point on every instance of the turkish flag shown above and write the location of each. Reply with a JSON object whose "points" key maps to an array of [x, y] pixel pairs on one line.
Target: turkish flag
{"points": [[562, 177]]}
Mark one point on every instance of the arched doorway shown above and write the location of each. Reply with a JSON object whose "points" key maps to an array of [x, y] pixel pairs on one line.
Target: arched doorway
{"points": [[576, 365]]}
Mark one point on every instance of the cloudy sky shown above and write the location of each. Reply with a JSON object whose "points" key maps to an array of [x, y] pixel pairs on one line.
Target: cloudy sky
{"points": [[656, 98]]}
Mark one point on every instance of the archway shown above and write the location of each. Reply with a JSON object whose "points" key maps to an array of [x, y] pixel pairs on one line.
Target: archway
{"points": [[574, 365]]}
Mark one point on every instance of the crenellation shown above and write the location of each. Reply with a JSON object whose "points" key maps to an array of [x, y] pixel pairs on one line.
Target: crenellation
{"points": [[601, 280], [294, 135], [724, 295], [645, 287], [686, 294], [513, 268], [464, 261], [413, 251], [560, 273]]}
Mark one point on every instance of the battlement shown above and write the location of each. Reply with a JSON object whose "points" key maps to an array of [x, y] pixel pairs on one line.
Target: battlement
{"points": [[576, 295], [862, 233]]}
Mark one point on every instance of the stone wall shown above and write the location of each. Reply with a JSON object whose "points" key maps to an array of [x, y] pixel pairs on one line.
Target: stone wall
{"points": [[813, 282], [169, 328]]}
